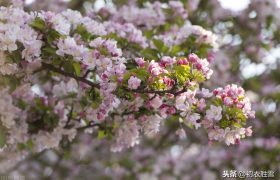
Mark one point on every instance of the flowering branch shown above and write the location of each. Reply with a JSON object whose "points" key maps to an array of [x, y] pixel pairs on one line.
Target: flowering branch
{"points": [[127, 96], [57, 70]]}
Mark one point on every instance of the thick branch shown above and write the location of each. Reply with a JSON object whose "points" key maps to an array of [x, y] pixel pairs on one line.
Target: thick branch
{"points": [[92, 84], [88, 126], [171, 91], [78, 78]]}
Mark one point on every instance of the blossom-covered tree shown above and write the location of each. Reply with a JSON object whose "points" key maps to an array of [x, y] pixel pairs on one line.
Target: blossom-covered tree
{"points": [[138, 74]]}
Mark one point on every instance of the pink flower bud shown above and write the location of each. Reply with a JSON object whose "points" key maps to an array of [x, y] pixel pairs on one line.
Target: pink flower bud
{"points": [[240, 105], [100, 116], [140, 62], [237, 141], [198, 66], [180, 62], [104, 76], [216, 92], [171, 110], [193, 58]]}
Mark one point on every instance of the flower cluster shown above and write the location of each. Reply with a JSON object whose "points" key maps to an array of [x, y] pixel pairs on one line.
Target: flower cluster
{"points": [[76, 74], [185, 35], [225, 121], [134, 72], [149, 16]]}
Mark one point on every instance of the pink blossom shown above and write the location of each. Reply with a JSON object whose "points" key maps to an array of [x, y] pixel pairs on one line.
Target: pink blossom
{"points": [[193, 119], [216, 134], [214, 113], [201, 104], [156, 102], [140, 61], [193, 58], [133, 82], [248, 131]]}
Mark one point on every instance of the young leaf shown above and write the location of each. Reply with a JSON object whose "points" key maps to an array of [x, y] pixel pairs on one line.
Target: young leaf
{"points": [[77, 68], [101, 134], [158, 43], [38, 24]]}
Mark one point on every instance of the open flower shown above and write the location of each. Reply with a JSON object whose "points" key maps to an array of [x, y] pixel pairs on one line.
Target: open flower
{"points": [[133, 82], [214, 113]]}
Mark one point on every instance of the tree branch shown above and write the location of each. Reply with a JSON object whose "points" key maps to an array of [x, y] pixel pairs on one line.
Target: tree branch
{"points": [[69, 116], [92, 84], [78, 78], [88, 126], [171, 91]]}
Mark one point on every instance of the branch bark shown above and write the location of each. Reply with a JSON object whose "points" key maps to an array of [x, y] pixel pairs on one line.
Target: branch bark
{"points": [[92, 84], [78, 78]]}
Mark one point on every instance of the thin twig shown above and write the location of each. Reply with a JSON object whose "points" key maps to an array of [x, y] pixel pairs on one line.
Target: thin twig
{"points": [[86, 74], [69, 116], [88, 126]]}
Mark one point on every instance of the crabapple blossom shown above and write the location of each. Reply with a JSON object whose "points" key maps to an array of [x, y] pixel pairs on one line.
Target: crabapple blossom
{"points": [[214, 113], [151, 125], [127, 136], [133, 82], [193, 119], [117, 76], [97, 65]]}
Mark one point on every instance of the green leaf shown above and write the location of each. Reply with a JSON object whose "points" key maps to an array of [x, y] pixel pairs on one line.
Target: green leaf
{"points": [[68, 67], [149, 34], [225, 123], [15, 57], [49, 49], [237, 125], [190, 125], [52, 36], [38, 24], [141, 73], [101, 134], [179, 21], [95, 97], [150, 54], [124, 94], [218, 102], [2, 136], [77, 68], [182, 73], [269, 21], [21, 104], [86, 36], [128, 163], [104, 51], [175, 49], [198, 76], [158, 43]]}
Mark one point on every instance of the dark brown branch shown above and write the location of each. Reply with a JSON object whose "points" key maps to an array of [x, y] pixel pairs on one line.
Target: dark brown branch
{"points": [[78, 78], [171, 91], [69, 116], [88, 126], [92, 84], [86, 74], [76, 4]]}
